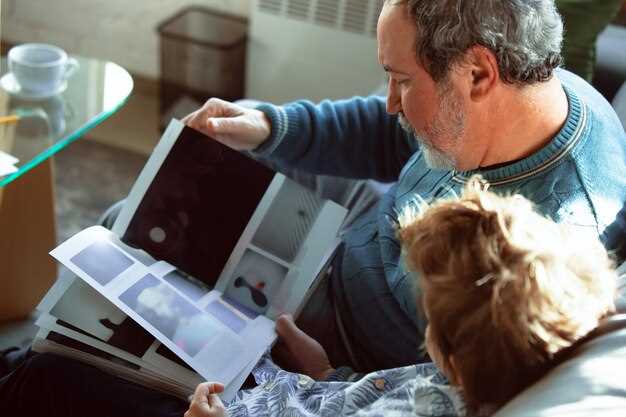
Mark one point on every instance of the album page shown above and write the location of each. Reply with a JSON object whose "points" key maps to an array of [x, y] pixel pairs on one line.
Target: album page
{"points": [[207, 333]]}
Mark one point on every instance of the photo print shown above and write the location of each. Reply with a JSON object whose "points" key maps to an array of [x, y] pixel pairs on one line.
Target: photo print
{"points": [[187, 285], [171, 314], [102, 261], [84, 310], [198, 205], [288, 221], [228, 315], [83, 307], [255, 282]]}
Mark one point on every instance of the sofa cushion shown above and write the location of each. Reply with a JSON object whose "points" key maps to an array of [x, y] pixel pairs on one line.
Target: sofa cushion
{"points": [[610, 71], [591, 383], [619, 103]]}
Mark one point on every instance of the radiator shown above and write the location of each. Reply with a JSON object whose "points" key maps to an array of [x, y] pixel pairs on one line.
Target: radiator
{"points": [[312, 49]]}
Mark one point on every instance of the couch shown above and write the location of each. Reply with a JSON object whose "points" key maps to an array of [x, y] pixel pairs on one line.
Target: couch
{"points": [[591, 383]]}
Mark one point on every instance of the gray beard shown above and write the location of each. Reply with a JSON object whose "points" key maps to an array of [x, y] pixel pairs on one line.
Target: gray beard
{"points": [[437, 160], [434, 158]]}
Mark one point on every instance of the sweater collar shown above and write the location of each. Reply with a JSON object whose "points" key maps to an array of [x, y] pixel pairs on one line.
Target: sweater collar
{"points": [[546, 157]]}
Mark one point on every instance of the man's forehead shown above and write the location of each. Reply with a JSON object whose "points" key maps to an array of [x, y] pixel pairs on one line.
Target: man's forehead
{"points": [[396, 39], [396, 14]]}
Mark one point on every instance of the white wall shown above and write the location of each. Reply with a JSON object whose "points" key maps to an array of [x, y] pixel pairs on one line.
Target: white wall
{"points": [[122, 31]]}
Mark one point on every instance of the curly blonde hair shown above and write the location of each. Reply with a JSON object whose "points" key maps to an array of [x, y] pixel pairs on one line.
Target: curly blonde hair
{"points": [[507, 289]]}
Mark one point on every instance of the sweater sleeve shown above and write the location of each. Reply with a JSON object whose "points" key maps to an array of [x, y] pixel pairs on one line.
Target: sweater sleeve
{"points": [[353, 138]]}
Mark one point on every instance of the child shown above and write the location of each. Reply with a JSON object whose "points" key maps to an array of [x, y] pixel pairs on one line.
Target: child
{"points": [[507, 293]]}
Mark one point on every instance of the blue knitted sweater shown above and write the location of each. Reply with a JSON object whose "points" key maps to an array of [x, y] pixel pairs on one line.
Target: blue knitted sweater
{"points": [[579, 177]]}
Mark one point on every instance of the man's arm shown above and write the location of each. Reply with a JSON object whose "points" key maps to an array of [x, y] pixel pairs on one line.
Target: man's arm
{"points": [[353, 138]]}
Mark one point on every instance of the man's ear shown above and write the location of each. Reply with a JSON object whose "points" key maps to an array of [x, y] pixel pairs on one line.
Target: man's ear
{"points": [[481, 68]]}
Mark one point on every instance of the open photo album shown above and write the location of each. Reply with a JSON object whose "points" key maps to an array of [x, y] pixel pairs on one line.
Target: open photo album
{"points": [[209, 249]]}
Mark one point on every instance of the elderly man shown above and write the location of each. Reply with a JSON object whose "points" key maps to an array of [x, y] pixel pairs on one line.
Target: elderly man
{"points": [[472, 89]]}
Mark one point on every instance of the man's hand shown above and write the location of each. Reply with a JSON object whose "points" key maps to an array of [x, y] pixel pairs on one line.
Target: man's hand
{"points": [[235, 126], [205, 402], [300, 352]]}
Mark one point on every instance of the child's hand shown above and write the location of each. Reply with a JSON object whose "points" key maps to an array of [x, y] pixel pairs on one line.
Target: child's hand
{"points": [[205, 402]]}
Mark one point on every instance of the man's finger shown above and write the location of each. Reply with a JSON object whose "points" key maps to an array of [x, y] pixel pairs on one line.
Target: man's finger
{"points": [[194, 120], [226, 125], [287, 329], [216, 107]]}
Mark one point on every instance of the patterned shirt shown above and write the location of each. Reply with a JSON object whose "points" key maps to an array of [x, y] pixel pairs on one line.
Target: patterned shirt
{"points": [[417, 390]]}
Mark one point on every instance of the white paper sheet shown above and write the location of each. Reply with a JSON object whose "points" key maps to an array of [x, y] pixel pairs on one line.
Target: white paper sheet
{"points": [[198, 338]]}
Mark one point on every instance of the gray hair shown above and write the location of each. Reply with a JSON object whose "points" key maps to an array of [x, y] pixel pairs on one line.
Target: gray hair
{"points": [[524, 35]]}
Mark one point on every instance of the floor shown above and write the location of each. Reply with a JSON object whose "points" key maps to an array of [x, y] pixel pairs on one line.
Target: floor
{"points": [[93, 173], [136, 126]]}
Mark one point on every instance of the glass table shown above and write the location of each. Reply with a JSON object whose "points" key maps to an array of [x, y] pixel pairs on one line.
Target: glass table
{"points": [[40, 129], [95, 92]]}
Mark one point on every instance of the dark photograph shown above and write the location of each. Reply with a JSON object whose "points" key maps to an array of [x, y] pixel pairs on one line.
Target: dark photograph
{"points": [[198, 205]]}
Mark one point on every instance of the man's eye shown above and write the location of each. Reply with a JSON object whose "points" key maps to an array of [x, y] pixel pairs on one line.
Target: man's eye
{"points": [[396, 81]]}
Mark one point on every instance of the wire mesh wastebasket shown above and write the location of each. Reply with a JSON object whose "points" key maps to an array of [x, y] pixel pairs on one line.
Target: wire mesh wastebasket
{"points": [[203, 55]]}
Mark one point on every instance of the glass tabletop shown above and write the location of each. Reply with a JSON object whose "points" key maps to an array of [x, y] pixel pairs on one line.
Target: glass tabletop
{"points": [[43, 127]]}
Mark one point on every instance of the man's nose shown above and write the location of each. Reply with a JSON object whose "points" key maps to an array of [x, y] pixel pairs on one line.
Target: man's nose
{"points": [[393, 98]]}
